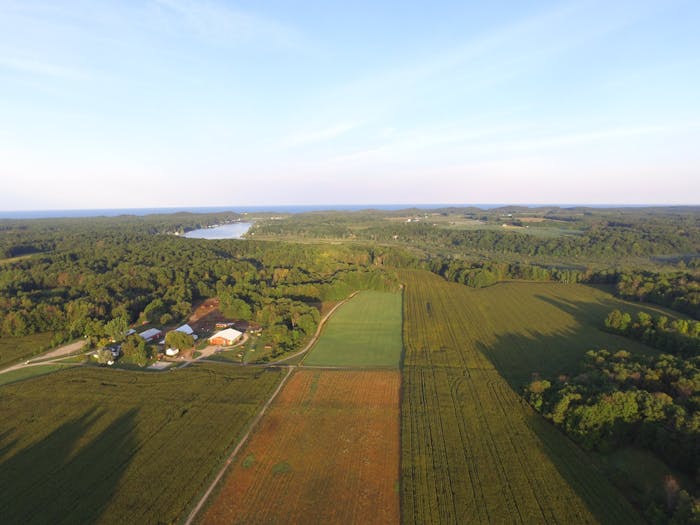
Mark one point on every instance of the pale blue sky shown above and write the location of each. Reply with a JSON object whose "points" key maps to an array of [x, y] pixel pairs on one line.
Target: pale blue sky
{"points": [[193, 103]]}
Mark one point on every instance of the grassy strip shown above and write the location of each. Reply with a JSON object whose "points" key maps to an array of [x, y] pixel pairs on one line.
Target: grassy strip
{"points": [[27, 372], [364, 332]]}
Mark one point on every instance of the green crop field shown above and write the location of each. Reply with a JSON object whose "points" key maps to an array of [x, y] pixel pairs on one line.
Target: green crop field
{"points": [[25, 373], [91, 445], [472, 450], [364, 332], [13, 349]]}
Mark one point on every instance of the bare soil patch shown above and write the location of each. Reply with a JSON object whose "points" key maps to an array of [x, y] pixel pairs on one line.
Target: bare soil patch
{"points": [[206, 315], [326, 452]]}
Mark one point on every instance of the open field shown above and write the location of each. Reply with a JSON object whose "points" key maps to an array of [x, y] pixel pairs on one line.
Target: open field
{"points": [[97, 445], [472, 450], [25, 373], [525, 327], [13, 349], [364, 332], [327, 451]]}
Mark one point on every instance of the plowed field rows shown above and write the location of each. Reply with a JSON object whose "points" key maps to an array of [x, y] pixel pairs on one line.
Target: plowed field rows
{"points": [[327, 451], [472, 451], [90, 445]]}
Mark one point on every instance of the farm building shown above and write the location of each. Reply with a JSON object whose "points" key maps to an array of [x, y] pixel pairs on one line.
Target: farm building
{"points": [[187, 329], [151, 334], [225, 337]]}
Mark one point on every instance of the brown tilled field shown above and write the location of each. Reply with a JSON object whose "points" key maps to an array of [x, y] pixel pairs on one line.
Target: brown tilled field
{"points": [[326, 452]]}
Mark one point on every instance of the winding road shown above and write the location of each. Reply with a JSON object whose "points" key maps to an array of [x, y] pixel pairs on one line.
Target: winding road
{"points": [[50, 357], [251, 427]]}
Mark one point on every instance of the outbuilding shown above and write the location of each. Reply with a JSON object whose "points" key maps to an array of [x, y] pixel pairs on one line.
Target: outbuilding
{"points": [[187, 329], [225, 337], [151, 334]]}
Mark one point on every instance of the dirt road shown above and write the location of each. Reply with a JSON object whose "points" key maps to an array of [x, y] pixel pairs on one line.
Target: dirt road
{"points": [[260, 414], [231, 457], [317, 334], [49, 357]]}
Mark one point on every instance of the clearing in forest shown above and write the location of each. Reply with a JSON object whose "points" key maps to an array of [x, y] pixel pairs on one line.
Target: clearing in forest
{"points": [[472, 450], [92, 445], [327, 451], [364, 332]]}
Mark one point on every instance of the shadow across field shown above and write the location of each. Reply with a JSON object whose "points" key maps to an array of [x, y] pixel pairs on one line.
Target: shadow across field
{"points": [[548, 351], [560, 348], [60, 480], [584, 474]]}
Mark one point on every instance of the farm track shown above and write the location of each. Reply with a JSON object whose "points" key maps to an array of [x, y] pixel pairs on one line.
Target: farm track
{"points": [[472, 451], [91, 456], [255, 422], [241, 442], [329, 435], [49, 357]]}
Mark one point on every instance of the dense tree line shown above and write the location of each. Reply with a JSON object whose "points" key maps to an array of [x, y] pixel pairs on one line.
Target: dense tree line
{"points": [[20, 237], [97, 281], [679, 291], [617, 400], [593, 234], [485, 273], [679, 336]]}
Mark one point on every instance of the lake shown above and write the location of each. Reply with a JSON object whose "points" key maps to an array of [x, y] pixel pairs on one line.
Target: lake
{"points": [[235, 230]]}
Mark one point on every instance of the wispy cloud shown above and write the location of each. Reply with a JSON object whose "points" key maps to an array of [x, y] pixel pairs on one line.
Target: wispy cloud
{"points": [[496, 57], [223, 24], [35, 67], [450, 145], [304, 138], [592, 136]]}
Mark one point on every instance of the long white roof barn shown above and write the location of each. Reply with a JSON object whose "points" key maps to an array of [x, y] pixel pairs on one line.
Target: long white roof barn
{"points": [[229, 335], [151, 333]]}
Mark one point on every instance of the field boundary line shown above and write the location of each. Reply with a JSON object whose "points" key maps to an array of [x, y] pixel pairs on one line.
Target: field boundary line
{"points": [[243, 440], [319, 329]]}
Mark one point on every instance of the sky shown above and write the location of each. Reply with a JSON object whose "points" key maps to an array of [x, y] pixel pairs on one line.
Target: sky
{"points": [[128, 104]]}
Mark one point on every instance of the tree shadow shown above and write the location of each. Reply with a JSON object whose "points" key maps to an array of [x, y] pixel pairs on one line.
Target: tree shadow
{"points": [[519, 356], [6, 447], [52, 482]]}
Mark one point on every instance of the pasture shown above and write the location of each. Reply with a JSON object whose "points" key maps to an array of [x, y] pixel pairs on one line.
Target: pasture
{"points": [[13, 349], [21, 374], [327, 451], [472, 450], [364, 332], [92, 445]]}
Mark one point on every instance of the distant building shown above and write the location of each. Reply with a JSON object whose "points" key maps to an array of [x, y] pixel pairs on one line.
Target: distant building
{"points": [[225, 337], [187, 329], [151, 334]]}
